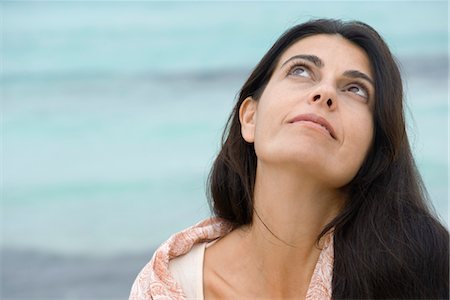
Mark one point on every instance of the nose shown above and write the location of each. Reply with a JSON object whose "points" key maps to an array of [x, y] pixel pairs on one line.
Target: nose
{"points": [[324, 95]]}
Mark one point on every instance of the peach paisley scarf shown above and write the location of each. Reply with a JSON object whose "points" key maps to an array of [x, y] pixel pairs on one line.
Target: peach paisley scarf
{"points": [[155, 281]]}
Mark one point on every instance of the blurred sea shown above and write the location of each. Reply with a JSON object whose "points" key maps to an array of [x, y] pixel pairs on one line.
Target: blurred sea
{"points": [[112, 113]]}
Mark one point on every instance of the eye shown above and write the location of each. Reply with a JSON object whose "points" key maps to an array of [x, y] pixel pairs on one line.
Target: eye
{"points": [[300, 70], [358, 90]]}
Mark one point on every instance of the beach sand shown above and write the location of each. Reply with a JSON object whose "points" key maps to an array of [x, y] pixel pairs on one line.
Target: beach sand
{"points": [[35, 275]]}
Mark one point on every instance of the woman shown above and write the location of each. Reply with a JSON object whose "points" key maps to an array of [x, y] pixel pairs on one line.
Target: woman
{"points": [[315, 190]]}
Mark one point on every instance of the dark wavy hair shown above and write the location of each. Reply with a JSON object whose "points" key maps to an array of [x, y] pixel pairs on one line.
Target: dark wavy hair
{"points": [[388, 243]]}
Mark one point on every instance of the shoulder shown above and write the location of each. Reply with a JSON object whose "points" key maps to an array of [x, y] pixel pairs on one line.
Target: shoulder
{"points": [[401, 257], [429, 237], [155, 279], [428, 257], [187, 271]]}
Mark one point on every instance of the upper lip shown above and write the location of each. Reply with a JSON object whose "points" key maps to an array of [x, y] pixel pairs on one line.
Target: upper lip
{"points": [[316, 119]]}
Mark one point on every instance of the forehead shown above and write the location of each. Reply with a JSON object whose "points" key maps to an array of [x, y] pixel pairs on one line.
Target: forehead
{"points": [[333, 49]]}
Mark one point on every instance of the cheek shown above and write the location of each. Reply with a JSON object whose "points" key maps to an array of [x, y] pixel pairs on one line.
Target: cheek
{"points": [[353, 152], [363, 135], [269, 116], [276, 103], [263, 133]]}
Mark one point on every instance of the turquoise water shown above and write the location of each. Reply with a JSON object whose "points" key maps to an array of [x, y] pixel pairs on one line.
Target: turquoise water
{"points": [[112, 112]]}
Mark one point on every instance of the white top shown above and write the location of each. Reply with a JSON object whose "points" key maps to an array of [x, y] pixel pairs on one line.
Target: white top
{"points": [[187, 270]]}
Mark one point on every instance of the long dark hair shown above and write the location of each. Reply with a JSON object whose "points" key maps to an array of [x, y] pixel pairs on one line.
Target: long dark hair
{"points": [[387, 241]]}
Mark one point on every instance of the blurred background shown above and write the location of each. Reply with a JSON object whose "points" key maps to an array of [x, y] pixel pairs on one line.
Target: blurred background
{"points": [[112, 113]]}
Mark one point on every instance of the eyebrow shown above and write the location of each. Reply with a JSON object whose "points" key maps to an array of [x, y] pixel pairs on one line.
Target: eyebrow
{"points": [[312, 58], [358, 74], [319, 63]]}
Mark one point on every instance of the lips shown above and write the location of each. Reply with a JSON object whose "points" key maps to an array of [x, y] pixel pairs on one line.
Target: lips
{"points": [[315, 119]]}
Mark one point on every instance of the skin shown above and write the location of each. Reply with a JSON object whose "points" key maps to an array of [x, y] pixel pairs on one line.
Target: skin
{"points": [[301, 169]]}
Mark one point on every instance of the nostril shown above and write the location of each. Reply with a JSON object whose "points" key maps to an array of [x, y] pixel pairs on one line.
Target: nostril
{"points": [[316, 97], [329, 102]]}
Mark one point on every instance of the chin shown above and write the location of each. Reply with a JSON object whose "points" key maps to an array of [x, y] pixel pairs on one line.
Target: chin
{"points": [[318, 164]]}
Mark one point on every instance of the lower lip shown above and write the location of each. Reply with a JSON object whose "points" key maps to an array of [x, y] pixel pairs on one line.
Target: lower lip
{"points": [[315, 126]]}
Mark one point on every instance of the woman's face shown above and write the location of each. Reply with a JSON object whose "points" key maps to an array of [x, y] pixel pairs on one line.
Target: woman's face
{"points": [[315, 114]]}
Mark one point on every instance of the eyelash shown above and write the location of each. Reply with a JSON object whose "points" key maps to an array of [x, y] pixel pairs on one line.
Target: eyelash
{"points": [[361, 86], [295, 64]]}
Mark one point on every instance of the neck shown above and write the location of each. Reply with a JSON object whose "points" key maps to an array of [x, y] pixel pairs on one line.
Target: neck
{"points": [[295, 208], [290, 212]]}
